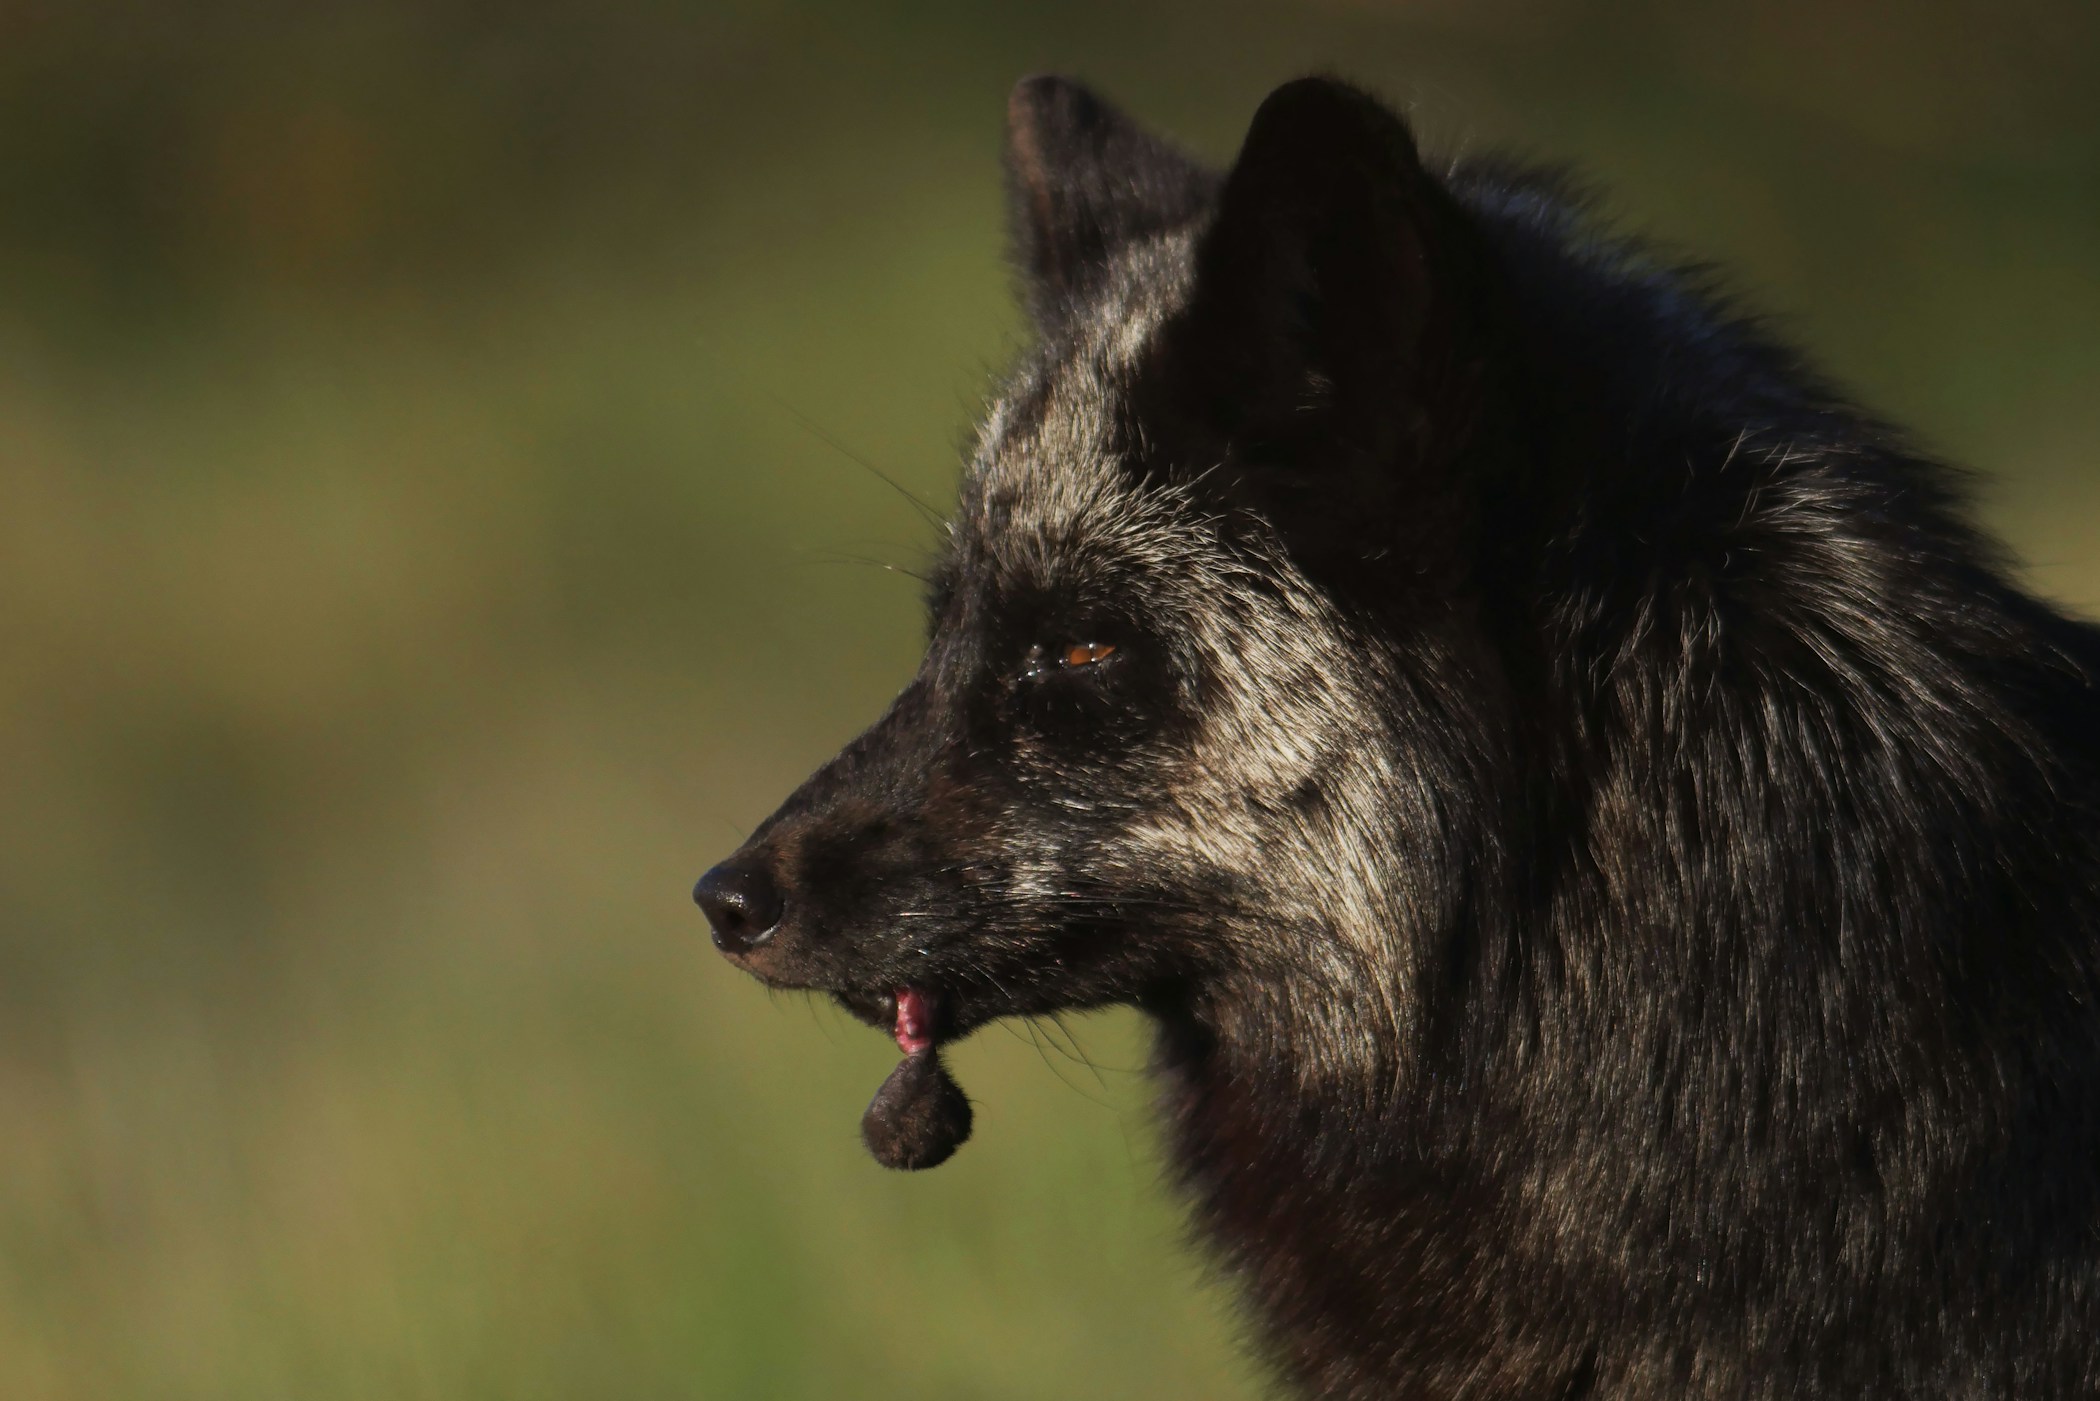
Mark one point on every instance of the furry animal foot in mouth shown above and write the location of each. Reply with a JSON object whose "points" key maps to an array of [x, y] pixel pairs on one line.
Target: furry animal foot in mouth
{"points": [[919, 1117]]}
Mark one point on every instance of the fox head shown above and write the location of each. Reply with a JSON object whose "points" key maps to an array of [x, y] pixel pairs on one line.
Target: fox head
{"points": [[1207, 721]]}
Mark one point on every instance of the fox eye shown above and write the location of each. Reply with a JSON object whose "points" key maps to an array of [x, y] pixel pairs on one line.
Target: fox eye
{"points": [[1067, 656], [1086, 653]]}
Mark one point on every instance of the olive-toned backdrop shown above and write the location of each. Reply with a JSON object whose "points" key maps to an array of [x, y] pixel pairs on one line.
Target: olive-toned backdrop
{"points": [[433, 529]]}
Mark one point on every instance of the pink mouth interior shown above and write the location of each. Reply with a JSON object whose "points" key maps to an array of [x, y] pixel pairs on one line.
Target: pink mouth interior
{"points": [[914, 1021]]}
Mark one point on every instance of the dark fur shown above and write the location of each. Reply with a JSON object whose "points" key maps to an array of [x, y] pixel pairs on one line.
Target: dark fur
{"points": [[1613, 860]]}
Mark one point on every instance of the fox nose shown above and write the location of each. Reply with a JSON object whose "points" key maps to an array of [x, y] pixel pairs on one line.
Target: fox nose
{"points": [[742, 904]]}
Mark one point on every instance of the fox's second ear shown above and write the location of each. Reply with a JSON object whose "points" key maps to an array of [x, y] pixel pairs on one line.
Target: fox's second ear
{"points": [[1084, 180], [1336, 331]]}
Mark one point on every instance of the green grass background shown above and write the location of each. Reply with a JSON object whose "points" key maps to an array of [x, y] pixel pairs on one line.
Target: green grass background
{"points": [[423, 550]]}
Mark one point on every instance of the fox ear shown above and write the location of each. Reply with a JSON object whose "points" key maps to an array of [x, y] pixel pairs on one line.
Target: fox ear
{"points": [[1334, 329], [1084, 179]]}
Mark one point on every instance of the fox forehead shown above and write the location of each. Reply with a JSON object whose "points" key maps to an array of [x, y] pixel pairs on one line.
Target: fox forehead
{"points": [[1050, 496]]}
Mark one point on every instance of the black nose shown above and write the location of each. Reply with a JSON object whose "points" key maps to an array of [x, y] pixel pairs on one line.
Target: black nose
{"points": [[742, 904]]}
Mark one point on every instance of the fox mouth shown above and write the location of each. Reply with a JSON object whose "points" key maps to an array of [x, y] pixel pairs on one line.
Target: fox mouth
{"points": [[917, 1017], [914, 1026]]}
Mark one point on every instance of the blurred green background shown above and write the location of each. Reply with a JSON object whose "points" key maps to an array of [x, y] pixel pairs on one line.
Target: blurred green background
{"points": [[430, 535]]}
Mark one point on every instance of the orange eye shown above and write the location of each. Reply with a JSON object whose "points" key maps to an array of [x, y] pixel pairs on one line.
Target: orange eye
{"points": [[1087, 653]]}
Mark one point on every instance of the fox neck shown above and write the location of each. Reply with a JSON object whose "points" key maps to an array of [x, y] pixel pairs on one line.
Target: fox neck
{"points": [[1338, 1195]]}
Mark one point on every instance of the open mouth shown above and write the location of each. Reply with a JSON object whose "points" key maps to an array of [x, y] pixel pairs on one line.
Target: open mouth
{"points": [[914, 1020], [916, 1016]]}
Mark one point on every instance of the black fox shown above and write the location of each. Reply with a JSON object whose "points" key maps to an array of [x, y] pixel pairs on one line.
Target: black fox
{"points": [[1613, 861]]}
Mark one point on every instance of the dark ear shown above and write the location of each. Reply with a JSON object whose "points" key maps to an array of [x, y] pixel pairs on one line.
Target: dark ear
{"points": [[1084, 180], [1335, 331]]}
